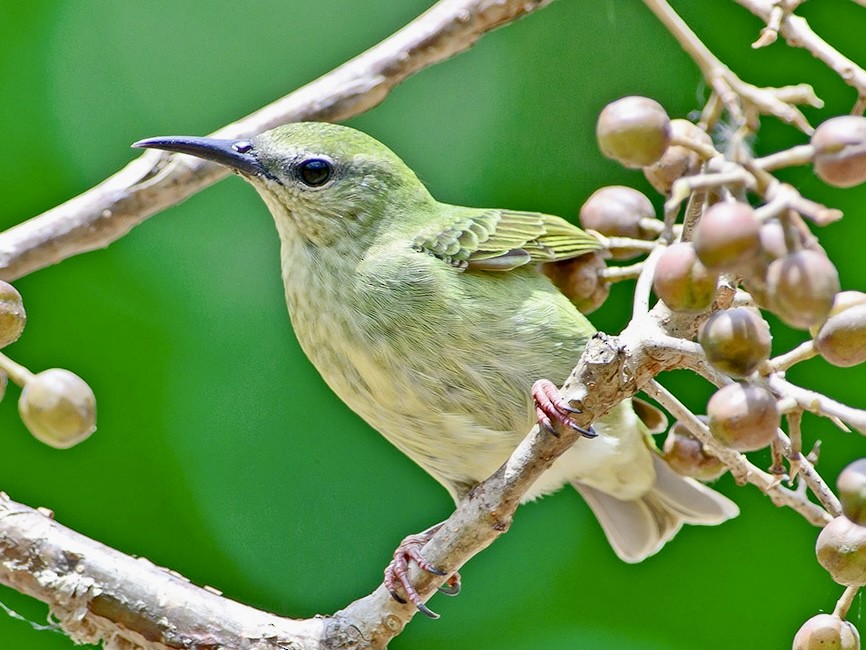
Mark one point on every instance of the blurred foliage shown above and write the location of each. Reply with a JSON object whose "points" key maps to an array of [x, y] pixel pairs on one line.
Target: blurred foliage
{"points": [[221, 454]]}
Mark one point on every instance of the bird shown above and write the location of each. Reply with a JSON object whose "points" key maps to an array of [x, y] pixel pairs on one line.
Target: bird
{"points": [[434, 323]]}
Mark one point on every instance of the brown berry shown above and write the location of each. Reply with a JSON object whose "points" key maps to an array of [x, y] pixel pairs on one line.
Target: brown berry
{"points": [[686, 455], [682, 282], [736, 341], [851, 486], [727, 237], [677, 161], [801, 287], [12, 315], [58, 407], [580, 280], [841, 340], [773, 245], [840, 150], [841, 550], [635, 131], [743, 417], [827, 632], [617, 211]]}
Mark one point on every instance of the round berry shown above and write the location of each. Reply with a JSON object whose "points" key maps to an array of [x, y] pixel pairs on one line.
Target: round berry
{"points": [[840, 150], [851, 486], [58, 407], [635, 131], [686, 455], [12, 315], [580, 279], [841, 340], [801, 287], [677, 161], [841, 550], [736, 341], [682, 282], [743, 417], [727, 236], [827, 632]]}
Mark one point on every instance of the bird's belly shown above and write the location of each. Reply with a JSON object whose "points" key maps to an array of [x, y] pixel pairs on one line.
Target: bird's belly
{"points": [[427, 413]]}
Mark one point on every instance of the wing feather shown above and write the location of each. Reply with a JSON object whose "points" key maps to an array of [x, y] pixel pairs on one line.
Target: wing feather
{"points": [[501, 240]]}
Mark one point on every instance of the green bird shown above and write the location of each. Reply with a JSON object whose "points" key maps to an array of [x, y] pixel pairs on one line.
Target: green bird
{"points": [[434, 323]]}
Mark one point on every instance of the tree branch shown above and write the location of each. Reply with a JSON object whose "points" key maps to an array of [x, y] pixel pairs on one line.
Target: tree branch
{"points": [[156, 181]]}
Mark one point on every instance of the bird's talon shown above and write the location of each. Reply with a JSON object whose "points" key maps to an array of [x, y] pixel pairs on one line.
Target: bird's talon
{"points": [[397, 577], [550, 408], [397, 596], [429, 613], [451, 586], [589, 433]]}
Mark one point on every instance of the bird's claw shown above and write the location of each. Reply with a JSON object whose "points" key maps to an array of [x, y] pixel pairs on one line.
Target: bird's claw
{"points": [[397, 576], [550, 408]]}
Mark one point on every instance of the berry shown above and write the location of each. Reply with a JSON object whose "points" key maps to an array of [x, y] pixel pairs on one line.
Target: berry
{"points": [[677, 161], [743, 417], [840, 150], [58, 407], [841, 550], [635, 131], [580, 280], [801, 287], [727, 236], [12, 315], [736, 341], [682, 282]]}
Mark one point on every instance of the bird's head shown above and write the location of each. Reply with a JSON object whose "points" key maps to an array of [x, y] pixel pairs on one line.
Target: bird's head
{"points": [[322, 182]]}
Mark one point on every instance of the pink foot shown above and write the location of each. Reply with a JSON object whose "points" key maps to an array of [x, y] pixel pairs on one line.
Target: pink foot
{"points": [[396, 573], [551, 408]]}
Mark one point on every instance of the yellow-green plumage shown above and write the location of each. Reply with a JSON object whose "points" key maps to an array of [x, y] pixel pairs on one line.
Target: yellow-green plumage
{"points": [[432, 322]]}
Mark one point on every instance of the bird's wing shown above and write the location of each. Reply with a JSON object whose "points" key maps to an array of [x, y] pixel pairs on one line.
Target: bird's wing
{"points": [[501, 240]]}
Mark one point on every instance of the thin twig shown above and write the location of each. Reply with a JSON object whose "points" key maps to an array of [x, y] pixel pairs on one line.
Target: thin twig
{"points": [[743, 470], [797, 33], [845, 601], [741, 99], [819, 404]]}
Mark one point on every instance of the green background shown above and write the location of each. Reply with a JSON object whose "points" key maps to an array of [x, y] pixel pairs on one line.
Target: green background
{"points": [[221, 454]]}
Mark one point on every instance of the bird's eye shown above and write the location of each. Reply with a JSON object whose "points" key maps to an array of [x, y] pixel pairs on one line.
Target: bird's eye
{"points": [[315, 171]]}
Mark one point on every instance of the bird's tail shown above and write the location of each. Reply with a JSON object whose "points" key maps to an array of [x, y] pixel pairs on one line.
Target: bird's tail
{"points": [[639, 528]]}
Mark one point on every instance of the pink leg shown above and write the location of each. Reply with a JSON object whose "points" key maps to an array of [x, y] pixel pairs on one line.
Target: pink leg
{"points": [[551, 408], [396, 573]]}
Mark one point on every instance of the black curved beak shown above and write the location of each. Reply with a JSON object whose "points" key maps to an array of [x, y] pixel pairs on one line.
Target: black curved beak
{"points": [[235, 154]]}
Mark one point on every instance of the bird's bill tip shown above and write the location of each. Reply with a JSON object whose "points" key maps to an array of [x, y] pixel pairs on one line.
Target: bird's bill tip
{"points": [[236, 154]]}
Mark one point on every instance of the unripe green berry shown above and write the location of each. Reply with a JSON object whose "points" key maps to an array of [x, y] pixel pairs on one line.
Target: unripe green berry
{"points": [[58, 407]]}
